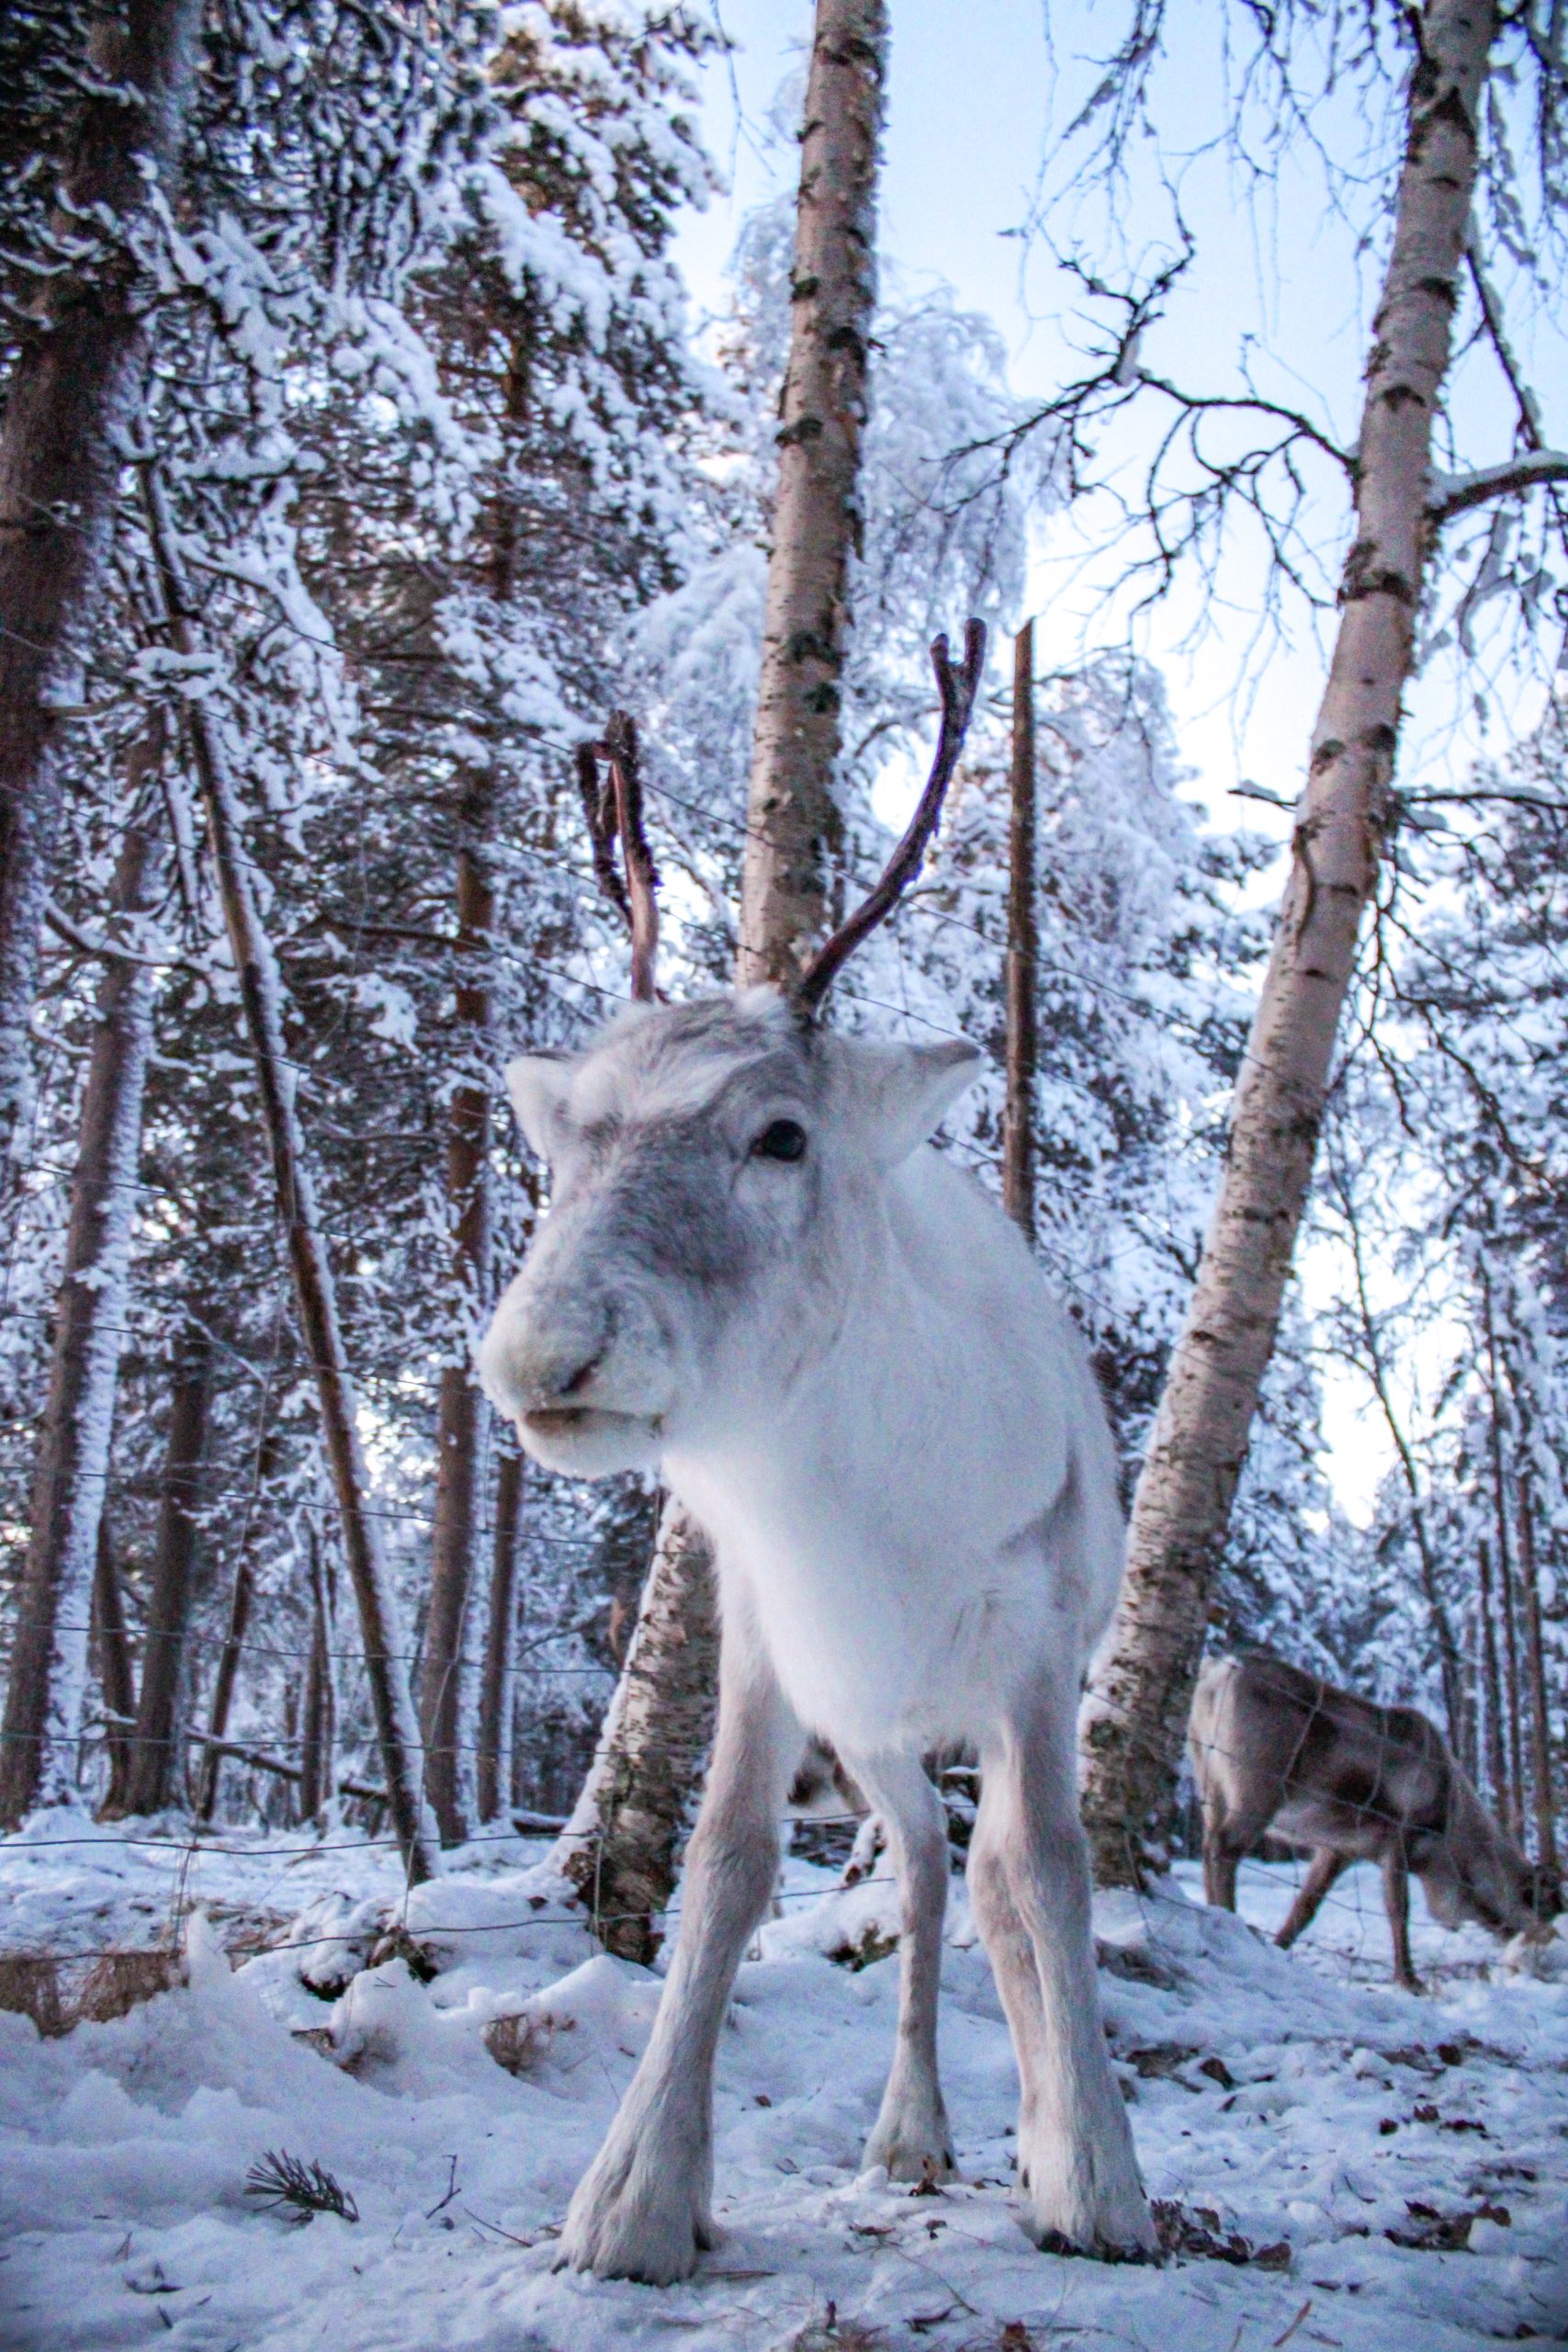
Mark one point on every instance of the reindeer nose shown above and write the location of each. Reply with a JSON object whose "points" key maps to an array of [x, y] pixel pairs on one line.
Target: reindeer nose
{"points": [[560, 1365], [531, 1360], [578, 1381]]}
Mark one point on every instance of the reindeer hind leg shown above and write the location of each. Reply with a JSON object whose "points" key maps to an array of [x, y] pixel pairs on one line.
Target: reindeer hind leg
{"points": [[1074, 2140], [1323, 1869]]}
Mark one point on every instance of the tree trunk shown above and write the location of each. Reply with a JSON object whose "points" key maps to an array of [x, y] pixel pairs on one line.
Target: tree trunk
{"points": [[223, 1687], [1136, 1714], [1431, 1585], [155, 1747], [1496, 1764], [49, 1659], [1470, 1756], [315, 1297], [214, 1746], [1515, 1816], [116, 1679], [459, 1419], [794, 825], [1535, 1663], [1022, 1052], [70, 396], [501, 1636], [622, 1845], [319, 1726]]}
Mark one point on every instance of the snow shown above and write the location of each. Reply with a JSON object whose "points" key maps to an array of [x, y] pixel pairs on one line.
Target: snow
{"points": [[124, 2146]]}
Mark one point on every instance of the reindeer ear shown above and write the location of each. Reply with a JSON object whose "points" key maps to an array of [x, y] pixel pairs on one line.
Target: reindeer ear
{"points": [[538, 1085], [903, 1091]]}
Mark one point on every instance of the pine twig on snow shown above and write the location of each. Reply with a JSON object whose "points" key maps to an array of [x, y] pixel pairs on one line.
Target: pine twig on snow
{"points": [[308, 2188]]}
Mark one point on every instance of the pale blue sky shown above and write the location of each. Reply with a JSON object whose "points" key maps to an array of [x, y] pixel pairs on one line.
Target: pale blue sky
{"points": [[975, 96]]}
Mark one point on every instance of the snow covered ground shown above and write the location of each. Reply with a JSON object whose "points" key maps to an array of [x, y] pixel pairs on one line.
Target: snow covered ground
{"points": [[1396, 2168]]}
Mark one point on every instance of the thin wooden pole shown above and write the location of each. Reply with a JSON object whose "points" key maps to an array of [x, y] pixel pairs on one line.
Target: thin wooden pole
{"points": [[1514, 1817], [1496, 1765], [115, 1675], [1022, 974], [315, 1297], [1535, 1666], [459, 1453], [151, 1781], [223, 1687], [500, 1637]]}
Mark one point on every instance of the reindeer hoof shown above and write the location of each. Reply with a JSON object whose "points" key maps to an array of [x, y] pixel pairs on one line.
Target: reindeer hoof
{"points": [[1095, 2207], [631, 2219], [914, 2144]]}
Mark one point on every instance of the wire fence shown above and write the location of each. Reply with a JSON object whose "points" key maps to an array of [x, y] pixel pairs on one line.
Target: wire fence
{"points": [[1307, 1899], [375, 1375]]}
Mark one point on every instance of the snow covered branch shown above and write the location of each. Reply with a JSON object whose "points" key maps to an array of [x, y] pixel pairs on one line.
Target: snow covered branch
{"points": [[1455, 494]]}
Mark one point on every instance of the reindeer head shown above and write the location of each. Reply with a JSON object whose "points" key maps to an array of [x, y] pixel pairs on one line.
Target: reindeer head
{"points": [[713, 1169], [1471, 1870]]}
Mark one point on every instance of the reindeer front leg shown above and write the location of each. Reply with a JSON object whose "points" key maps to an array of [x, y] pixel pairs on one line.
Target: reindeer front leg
{"points": [[643, 2208], [1397, 1896], [911, 2135]]}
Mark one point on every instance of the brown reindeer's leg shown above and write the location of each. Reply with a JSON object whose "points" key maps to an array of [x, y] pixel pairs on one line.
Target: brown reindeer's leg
{"points": [[1220, 1865], [1396, 1895], [1323, 1869]]}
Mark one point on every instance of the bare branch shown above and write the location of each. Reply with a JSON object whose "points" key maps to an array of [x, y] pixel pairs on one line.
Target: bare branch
{"points": [[957, 689]]}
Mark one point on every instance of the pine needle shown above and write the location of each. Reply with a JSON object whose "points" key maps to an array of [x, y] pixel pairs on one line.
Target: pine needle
{"points": [[307, 2189]]}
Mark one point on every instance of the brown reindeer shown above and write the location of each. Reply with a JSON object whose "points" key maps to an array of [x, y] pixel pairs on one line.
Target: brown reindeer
{"points": [[1276, 1749]]}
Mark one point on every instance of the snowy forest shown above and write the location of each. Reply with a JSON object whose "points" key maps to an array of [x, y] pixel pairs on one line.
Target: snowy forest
{"points": [[363, 451]]}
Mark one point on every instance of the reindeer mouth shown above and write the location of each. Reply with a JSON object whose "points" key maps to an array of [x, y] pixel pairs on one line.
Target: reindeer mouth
{"points": [[555, 1422]]}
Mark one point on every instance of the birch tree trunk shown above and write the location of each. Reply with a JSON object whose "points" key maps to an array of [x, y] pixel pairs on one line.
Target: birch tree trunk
{"points": [[49, 1659], [495, 1776], [794, 827], [622, 1845], [152, 1782], [315, 1293], [71, 392], [1135, 1714], [1023, 976], [461, 1409]]}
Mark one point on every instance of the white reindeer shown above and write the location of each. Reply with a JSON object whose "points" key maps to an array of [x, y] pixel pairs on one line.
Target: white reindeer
{"points": [[757, 1280]]}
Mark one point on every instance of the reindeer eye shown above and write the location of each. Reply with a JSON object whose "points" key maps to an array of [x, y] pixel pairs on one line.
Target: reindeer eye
{"points": [[785, 1139]]}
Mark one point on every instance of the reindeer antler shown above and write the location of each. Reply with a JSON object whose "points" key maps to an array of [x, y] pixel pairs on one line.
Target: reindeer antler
{"points": [[957, 689], [613, 808]]}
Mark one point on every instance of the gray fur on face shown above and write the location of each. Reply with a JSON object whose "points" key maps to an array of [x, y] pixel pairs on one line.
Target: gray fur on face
{"points": [[671, 1102], [664, 1223]]}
